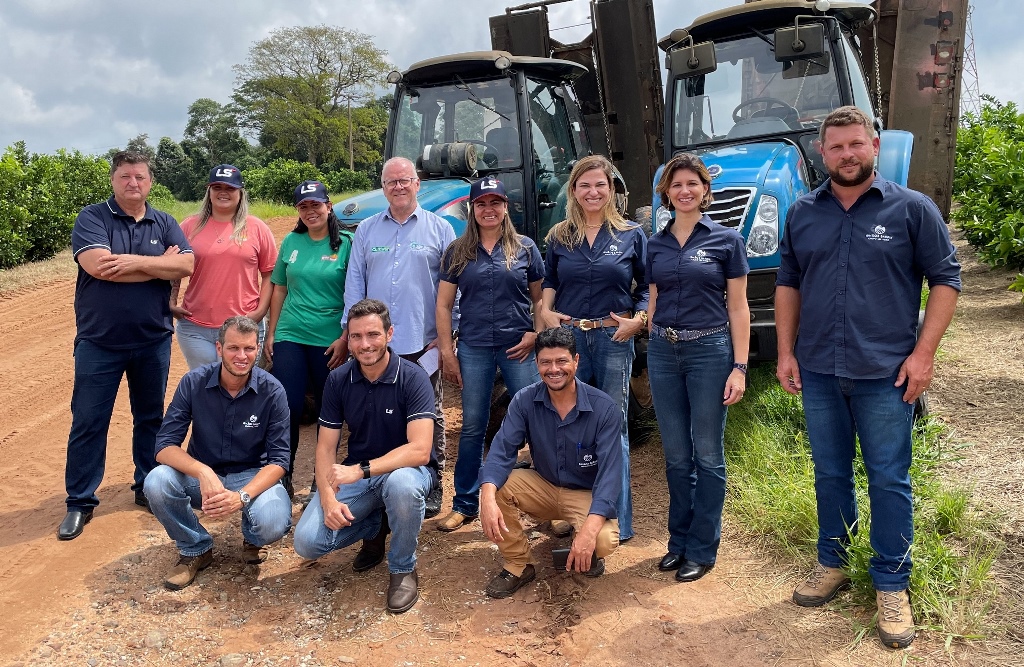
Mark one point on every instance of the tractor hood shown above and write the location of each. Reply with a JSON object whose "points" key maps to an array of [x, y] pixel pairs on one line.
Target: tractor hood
{"points": [[747, 164], [445, 197]]}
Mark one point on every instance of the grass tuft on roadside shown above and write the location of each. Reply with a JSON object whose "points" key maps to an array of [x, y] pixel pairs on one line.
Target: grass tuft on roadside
{"points": [[771, 494]]}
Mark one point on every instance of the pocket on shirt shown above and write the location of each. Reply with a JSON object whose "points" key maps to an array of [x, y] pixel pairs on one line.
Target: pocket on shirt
{"points": [[586, 457]]}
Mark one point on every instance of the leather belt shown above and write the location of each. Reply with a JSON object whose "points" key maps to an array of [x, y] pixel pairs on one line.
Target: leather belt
{"points": [[676, 335], [586, 325]]}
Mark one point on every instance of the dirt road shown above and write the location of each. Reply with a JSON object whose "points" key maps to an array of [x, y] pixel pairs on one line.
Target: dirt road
{"points": [[98, 600]]}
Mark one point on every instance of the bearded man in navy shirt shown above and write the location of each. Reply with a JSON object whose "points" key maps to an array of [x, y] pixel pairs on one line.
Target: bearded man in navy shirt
{"points": [[854, 254]]}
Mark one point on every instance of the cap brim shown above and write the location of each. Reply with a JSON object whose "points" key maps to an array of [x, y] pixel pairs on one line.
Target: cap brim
{"points": [[232, 185], [319, 199], [504, 197]]}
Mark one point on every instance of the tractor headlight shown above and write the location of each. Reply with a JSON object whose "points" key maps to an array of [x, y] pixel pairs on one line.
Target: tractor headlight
{"points": [[763, 239]]}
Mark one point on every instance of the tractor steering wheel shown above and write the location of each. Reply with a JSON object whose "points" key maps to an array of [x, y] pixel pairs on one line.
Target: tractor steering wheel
{"points": [[791, 114]]}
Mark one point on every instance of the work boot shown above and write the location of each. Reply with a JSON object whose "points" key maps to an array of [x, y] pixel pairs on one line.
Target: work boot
{"points": [[254, 555], [372, 552], [821, 585], [506, 583], [895, 618], [454, 521], [403, 591], [185, 571], [434, 499], [596, 568]]}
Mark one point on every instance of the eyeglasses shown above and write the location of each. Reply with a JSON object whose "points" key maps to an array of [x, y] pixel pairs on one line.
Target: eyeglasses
{"points": [[394, 183]]}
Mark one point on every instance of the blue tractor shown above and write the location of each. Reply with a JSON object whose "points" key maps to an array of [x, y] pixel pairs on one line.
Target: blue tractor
{"points": [[748, 87]]}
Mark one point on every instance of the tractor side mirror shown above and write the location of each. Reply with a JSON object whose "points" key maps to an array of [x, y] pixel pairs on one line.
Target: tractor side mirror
{"points": [[692, 60], [801, 42]]}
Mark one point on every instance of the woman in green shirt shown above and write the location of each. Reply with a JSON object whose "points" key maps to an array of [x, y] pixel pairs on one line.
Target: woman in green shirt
{"points": [[304, 324]]}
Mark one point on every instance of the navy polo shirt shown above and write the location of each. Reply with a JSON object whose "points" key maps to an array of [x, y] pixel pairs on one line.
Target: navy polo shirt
{"points": [[582, 451], [495, 302], [592, 281], [859, 273], [123, 315], [229, 434], [691, 279], [377, 412]]}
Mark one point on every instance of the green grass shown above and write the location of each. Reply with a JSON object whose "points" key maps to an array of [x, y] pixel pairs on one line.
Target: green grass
{"points": [[263, 210], [771, 494]]}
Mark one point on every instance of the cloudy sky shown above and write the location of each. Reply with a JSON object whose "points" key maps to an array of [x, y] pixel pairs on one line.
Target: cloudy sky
{"points": [[91, 74]]}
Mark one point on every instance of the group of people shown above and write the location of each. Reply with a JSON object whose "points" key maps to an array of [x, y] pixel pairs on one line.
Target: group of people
{"points": [[367, 320]]}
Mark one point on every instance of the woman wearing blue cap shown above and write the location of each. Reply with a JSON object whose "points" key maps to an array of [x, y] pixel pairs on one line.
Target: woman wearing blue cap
{"points": [[304, 326], [499, 273], [235, 253]]}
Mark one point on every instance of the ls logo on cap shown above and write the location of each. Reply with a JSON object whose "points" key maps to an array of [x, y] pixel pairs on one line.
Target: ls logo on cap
{"points": [[306, 189], [489, 184], [226, 172]]}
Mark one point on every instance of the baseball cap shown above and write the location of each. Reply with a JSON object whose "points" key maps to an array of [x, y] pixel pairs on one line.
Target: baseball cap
{"points": [[227, 174], [487, 186], [314, 190]]}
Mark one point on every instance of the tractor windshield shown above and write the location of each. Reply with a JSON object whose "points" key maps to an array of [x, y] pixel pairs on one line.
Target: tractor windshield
{"points": [[750, 94], [482, 113]]}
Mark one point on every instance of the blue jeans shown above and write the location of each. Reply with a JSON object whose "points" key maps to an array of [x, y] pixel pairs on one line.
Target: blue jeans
{"points": [[838, 410], [401, 493], [687, 382], [607, 364], [173, 494], [296, 367], [477, 365], [199, 344], [98, 372]]}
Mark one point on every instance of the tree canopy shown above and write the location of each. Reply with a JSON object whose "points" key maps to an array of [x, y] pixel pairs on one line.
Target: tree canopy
{"points": [[298, 86]]}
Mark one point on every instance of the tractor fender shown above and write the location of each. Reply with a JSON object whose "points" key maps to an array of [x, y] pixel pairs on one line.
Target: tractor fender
{"points": [[894, 155]]}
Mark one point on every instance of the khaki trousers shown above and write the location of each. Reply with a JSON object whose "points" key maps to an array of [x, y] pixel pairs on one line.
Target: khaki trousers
{"points": [[526, 491]]}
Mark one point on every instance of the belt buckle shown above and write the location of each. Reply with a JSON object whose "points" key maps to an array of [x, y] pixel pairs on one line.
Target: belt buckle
{"points": [[587, 325], [671, 335]]}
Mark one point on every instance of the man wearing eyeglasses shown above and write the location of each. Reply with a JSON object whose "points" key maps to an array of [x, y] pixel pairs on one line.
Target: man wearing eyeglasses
{"points": [[396, 258]]}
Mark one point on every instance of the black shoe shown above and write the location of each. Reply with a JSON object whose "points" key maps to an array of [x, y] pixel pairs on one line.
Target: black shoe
{"points": [[142, 501], [286, 482], [670, 561], [691, 571], [506, 583], [72, 525], [403, 591], [596, 568], [434, 499], [372, 552]]}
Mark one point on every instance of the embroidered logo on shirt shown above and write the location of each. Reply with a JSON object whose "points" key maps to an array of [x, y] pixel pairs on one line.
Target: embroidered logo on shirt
{"points": [[389, 411], [294, 256], [878, 234], [380, 248], [701, 256], [612, 250], [253, 422], [153, 241], [329, 258], [418, 247]]}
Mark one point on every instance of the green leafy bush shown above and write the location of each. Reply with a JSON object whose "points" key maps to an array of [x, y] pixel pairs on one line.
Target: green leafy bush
{"points": [[59, 186], [14, 243], [277, 180], [989, 183], [346, 180]]}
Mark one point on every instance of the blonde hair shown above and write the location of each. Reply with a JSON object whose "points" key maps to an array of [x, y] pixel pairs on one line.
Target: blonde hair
{"points": [[239, 229], [571, 231], [462, 251]]}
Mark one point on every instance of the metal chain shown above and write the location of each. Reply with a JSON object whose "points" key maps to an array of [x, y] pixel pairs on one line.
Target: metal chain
{"points": [[878, 72], [600, 96]]}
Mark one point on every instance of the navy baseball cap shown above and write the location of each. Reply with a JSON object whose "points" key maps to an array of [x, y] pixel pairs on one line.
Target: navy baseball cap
{"points": [[314, 190], [487, 186], [227, 174]]}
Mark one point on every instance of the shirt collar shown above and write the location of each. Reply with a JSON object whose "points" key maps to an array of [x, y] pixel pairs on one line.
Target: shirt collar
{"points": [[118, 211], [416, 214], [582, 398], [705, 220], [389, 376], [214, 379], [878, 184]]}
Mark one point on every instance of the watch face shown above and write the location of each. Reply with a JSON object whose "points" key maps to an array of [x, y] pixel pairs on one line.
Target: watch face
{"points": [[244, 496]]}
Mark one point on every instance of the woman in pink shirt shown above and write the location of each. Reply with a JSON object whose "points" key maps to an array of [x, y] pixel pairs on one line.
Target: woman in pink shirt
{"points": [[235, 254]]}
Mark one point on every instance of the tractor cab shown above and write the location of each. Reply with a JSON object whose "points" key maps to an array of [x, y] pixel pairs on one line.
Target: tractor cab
{"points": [[461, 117]]}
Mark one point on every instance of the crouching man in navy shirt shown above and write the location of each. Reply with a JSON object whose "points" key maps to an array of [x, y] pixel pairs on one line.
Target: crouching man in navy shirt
{"points": [[238, 454], [388, 404], [574, 435]]}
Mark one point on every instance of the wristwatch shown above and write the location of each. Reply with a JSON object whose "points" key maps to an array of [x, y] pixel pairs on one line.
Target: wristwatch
{"points": [[245, 497], [742, 368], [365, 465]]}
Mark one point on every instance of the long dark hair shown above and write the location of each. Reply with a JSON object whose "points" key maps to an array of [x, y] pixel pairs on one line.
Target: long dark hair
{"points": [[333, 228]]}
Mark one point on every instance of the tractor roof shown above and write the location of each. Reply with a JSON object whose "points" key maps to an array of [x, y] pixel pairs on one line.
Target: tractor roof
{"points": [[481, 63]]}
